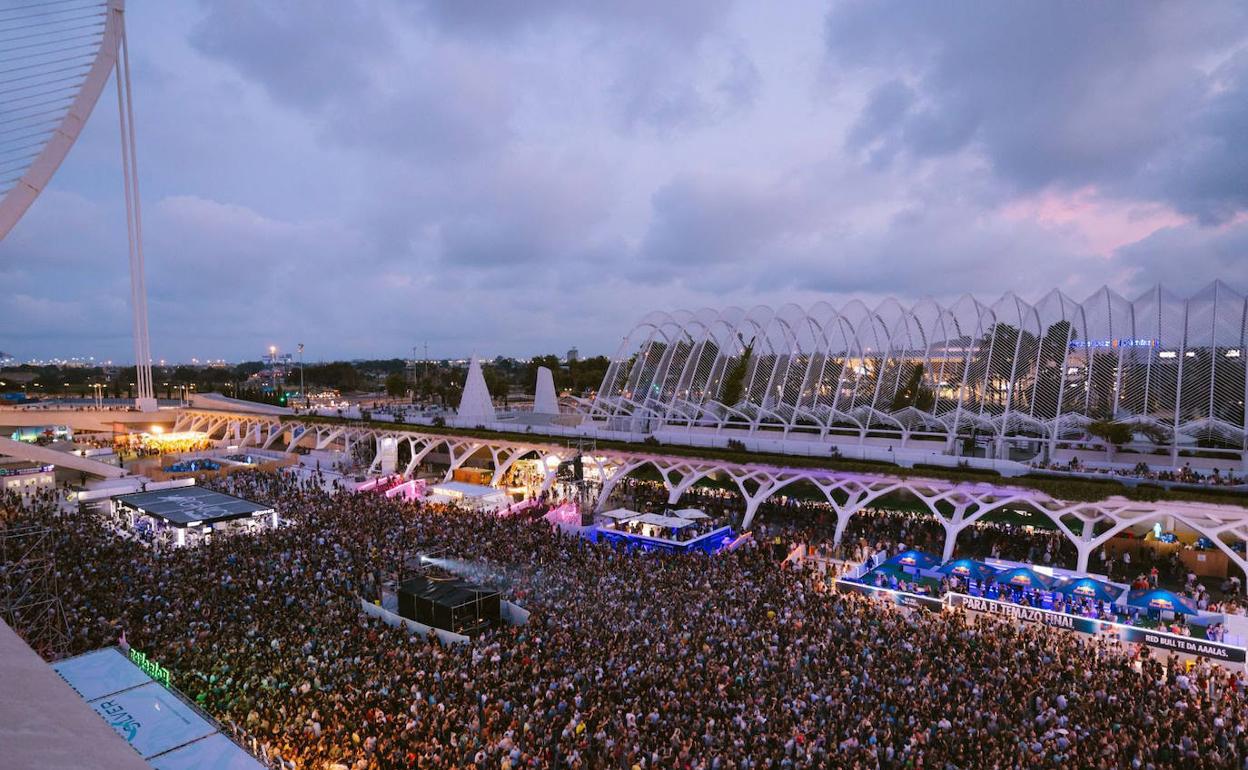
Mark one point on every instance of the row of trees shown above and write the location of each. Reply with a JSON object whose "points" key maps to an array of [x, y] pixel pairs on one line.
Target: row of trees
{"points": [[505, 378], [435, 381]]}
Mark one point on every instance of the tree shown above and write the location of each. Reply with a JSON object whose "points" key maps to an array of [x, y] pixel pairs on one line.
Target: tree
{"points": [[588, 373], [914, 392], [734, 383], [1110, 431], [551, 362], [396, 384], [1155, 434]]}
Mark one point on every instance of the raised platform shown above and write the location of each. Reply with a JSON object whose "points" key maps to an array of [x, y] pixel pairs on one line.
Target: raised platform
{"points": [[711, 542]]}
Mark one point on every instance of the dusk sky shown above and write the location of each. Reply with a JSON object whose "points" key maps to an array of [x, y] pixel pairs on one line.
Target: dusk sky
{"points": [[518, 178]]}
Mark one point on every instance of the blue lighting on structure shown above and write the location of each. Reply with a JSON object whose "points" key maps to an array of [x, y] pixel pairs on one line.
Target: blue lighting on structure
{"points": [[710, 543]]}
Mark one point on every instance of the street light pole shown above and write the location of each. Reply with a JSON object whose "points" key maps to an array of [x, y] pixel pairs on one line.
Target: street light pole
{"points": [[302, 389], [273, 367]]}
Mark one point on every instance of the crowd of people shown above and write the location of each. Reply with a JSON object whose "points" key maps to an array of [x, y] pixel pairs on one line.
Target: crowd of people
{"points": [[1141, 470], [629, 660], [138, 445]]}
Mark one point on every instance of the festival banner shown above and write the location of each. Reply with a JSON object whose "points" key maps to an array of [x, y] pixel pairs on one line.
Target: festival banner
{"points": [[1130, 634], [1184, 644], [1024, 614]]}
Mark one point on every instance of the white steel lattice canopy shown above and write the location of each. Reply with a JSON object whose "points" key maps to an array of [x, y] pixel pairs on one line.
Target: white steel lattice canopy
{"points": [[1172, 367], [55, 58]]}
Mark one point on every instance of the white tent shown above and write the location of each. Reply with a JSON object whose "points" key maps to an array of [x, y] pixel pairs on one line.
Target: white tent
{"points": [[621, 513], [665, 521], [692, 513], [476, 404], [544, 400]]}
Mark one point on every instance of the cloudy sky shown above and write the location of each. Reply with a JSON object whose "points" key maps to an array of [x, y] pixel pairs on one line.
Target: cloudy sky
{"points": [[520, 177]]}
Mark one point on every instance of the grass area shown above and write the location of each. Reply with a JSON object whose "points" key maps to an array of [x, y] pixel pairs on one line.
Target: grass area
{"points": [[1073, 490]]}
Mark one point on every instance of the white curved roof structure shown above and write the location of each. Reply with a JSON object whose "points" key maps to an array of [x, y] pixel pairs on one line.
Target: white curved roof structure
{"points": [[55, 58], [1173, 366]]}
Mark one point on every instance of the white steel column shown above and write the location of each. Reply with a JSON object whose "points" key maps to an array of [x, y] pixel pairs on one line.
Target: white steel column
{"points": [[145, 396]]}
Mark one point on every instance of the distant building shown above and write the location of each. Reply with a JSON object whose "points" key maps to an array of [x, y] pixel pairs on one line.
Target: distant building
{"points": [[573, 355]]}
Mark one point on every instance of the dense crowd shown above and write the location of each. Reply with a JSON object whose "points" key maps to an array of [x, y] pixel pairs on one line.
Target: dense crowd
{"points": [[628, 660], [1216, 477], [888, 529]]}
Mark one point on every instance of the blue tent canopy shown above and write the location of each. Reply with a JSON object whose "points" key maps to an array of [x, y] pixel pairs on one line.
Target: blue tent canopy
{"points": [[1161, 599], [1091, 589], [913, 558], [969, 568], [1024, 577]]}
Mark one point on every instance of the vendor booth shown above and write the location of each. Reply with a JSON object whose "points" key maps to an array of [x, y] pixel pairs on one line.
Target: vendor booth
{"points": [[1024, 577], [915, 559], [1090, 588], [1159, 600], [968, 569]]}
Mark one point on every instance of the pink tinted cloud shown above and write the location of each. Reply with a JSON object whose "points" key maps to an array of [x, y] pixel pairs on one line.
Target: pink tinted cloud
{"points": [[1103, 224]]}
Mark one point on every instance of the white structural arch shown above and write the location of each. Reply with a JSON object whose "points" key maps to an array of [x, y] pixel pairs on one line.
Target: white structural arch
{"points": [[955, 505], [55, 59]]}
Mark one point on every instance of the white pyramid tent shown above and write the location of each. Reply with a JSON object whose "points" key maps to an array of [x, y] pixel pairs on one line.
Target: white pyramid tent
{"points": [[545, 402], [475, 404]]}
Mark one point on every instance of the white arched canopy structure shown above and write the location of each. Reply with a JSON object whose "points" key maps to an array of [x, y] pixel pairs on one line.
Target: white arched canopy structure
{"points": [[55, 59], [1016, 372]]}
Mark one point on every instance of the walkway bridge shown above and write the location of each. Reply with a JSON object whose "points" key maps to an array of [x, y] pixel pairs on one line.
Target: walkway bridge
{"points": [[44, 456]]}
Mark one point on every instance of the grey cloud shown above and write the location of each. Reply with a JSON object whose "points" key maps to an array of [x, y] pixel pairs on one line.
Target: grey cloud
{"points": [[445, 108], [655, 90], [673, 22], [305, 52], [711, 230], [520, 177], [1067, 94], [1207, 173], [1186, 258]]}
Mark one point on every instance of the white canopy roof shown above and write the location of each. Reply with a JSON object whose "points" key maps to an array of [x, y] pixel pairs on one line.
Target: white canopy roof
{"points": [[664, 521], [465, 489], [621, 513], [692, 513]]}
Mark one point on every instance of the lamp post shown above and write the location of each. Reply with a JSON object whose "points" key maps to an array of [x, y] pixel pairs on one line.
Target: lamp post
{"points": [[302, 389], [273, 366]]}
